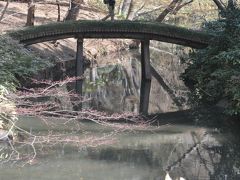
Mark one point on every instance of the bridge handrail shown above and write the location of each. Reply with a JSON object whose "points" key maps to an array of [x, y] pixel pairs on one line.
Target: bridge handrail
{"points": [[146, 30]]}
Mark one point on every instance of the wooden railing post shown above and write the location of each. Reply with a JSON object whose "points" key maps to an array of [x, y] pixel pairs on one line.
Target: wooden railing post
{"points": [[79, 68], [146, 77]]}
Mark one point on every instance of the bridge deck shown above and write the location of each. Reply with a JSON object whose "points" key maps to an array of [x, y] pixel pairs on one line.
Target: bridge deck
{"points": [[113, 29]]}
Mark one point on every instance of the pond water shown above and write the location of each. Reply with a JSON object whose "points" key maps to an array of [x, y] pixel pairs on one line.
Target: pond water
{"points": [[186, 150], [181, 144], [114, 84]]}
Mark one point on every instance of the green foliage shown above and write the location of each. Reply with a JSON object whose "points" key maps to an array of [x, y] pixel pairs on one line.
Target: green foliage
{"points": [[214, 73], [16, 61]]}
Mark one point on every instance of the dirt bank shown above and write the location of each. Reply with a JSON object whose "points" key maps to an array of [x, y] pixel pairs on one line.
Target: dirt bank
{"points": [[63, 50]]}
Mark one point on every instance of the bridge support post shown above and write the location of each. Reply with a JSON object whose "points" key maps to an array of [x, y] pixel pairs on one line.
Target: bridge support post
{"points": [[146, 77], [79, 69]]}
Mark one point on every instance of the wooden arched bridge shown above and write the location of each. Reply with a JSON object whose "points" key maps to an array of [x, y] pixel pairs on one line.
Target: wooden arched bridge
{"points": [[143, 31]]}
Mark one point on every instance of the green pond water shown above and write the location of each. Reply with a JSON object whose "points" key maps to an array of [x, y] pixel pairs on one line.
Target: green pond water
{"points": [[187, 150]]}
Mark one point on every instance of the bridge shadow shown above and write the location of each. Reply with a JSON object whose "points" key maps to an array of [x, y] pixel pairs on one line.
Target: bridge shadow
{"points": [[164, 85], [160, 80]]}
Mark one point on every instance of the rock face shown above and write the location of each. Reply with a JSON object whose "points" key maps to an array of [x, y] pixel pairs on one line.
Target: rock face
{"points": [[115, 84]]}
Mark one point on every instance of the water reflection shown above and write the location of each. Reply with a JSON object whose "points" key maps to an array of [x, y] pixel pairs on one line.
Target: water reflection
{"points": [[115, 87], [115, 84], [184, 151]]}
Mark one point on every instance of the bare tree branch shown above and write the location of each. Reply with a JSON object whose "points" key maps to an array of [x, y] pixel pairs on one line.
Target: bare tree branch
{"points": [[4, 10], [220, 5], [146, 12], [166, 11], [73, 11], [173, 7], [180, 6], [31, 13]]}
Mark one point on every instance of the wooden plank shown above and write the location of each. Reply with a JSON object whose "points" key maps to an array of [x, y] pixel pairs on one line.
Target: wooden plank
{"points": [[33, 39]]}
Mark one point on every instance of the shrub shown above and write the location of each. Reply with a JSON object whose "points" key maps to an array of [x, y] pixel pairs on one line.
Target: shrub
{"points": [[214, 73], [17, 61]]}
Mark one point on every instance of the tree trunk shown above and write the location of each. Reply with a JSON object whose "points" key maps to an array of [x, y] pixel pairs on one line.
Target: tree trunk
{"points": [[73, 10], [174, 6], [59, 11], [125, 8], [31, 13], [220, 5], [4, 11], [180, 5], [166, 11]]}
